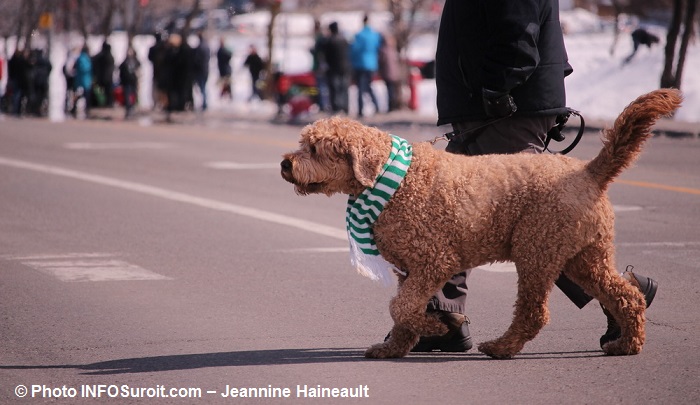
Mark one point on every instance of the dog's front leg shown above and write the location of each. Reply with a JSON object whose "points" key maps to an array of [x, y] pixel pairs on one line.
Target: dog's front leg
{"points": [[407, 310], [400, 342]]}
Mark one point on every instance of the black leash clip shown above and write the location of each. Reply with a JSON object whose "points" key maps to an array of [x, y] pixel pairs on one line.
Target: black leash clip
{"points": [[557, 135]]}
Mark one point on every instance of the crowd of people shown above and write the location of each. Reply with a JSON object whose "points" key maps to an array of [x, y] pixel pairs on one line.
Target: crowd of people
{"points": [[180, 70], [27, 86], [337, 63]]}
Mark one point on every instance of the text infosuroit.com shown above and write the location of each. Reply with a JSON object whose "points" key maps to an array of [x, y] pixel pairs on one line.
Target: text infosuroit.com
{"points": [[105, 391], [160, 391]]}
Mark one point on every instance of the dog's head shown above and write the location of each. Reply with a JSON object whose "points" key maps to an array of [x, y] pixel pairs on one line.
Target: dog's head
{"points": [[336, 155]]}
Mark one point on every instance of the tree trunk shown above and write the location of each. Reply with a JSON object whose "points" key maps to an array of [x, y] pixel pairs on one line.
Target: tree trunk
{"points": [[196, 8], [269, 90], [81, 20], [667, 76], [616, 27], [691, 7], [106, 25]]}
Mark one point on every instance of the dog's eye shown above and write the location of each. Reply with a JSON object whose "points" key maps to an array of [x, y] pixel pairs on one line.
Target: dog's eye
{"points": [[312, 149]]}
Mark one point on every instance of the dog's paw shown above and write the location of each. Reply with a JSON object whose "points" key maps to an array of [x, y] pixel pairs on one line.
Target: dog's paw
{"points": [[617, 348], [497, 350], [385, 351]]}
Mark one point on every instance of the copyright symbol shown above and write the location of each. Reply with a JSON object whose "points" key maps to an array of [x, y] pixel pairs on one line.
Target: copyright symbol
{"points": [[21, 391]]}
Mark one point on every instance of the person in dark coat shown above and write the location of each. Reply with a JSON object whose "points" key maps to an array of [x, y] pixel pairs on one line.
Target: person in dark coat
{"points": [[200, 69], [18, 68], [103, 74], [255, 66], [337, 55], [223, 63], [128, 78], [640, 36], [40, 71], [156, 55], [178, 72], [500, 69], [320, 67]]}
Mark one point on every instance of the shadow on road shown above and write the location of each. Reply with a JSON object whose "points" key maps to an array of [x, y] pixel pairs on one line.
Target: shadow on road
{"points": [[276, 357]]}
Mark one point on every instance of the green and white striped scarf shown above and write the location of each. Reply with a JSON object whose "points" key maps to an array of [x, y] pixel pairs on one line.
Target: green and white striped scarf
{"points": [[364, 209]]}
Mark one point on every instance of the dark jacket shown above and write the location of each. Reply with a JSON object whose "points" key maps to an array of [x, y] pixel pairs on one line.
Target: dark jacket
{"points": [[223, 61], [200, 67], [501, 45], [337, 53]]}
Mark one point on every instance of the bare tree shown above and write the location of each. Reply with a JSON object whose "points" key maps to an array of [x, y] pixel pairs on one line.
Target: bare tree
{"points": [[275, 8], [683, 15], [403, 27], [618, 9]]}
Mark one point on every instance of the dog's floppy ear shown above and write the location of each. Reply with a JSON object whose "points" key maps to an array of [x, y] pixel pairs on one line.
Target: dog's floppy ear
{"points": [[366, 164]]}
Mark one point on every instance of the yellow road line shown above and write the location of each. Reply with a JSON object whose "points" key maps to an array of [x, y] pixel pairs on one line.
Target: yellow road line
{"points": [[645, 184]]}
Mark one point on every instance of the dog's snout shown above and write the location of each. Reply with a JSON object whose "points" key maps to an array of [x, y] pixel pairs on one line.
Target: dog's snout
{"points": [[286, 165]]}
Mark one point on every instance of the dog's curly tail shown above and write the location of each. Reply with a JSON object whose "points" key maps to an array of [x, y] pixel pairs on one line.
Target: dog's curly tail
{"points": [[623, 142]]}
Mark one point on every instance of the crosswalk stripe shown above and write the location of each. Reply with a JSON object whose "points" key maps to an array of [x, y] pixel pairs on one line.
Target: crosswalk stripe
{"points": [[81, 267]]}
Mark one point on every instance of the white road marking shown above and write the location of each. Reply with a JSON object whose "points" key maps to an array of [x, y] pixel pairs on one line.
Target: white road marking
{"points": [[506, 267], [658, 244], [56, 256], [626, 208], [116, 145], [317, 250], [241, 166], [309, 226], [81, 267]]}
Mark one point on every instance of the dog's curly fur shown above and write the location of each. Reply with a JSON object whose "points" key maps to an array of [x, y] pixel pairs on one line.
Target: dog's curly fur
{"points": [[546, 213]]}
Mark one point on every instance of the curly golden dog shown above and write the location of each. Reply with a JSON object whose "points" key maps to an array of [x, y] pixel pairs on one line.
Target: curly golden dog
{"points": [[546, 213]]}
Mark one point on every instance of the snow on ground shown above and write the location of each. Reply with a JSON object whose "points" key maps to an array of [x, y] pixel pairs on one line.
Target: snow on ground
{"points": [[600, 86]]}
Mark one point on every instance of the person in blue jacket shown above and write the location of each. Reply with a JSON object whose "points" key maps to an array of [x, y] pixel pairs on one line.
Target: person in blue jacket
{"points": [[82, 84], [364, 56]]}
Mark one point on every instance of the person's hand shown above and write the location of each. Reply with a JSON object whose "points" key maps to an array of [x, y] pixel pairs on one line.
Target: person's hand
{"points": [[498, 104]]}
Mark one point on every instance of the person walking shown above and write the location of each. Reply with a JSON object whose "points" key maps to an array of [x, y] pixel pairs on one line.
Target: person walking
{"points": [[320, 67], [156, 55], [18, 69], [200, 68], [128, 78], [83, 81], [223, 63], [338, 74], [390, 71], [255, 66], [365, 63], [38, 103], [500, 69], [103, 70]]}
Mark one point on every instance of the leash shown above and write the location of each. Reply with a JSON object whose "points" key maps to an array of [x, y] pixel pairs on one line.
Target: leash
{"points": [[458, 133], [469, 135], [556, 134]]}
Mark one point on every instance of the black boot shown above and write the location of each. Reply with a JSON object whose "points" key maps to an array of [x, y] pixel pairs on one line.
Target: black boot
{"points": [[457, 339], [648, 288]]}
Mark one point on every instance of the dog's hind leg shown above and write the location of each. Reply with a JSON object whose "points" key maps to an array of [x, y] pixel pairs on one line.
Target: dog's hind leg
{"points": [[407, 309], [593, 270], [531, 314]]}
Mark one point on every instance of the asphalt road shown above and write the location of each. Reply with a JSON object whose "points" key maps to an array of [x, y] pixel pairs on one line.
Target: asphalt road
{"points": [[135, 260]]}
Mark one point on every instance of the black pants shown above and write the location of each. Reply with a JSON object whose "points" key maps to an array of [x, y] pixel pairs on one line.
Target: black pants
{"points": [[511, 135]]}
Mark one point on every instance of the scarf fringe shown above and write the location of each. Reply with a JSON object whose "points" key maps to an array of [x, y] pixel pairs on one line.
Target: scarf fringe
{"points": [[370, 266]]}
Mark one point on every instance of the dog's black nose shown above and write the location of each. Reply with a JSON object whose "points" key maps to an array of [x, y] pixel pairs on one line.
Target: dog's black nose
{"points": [[286, 165]]}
